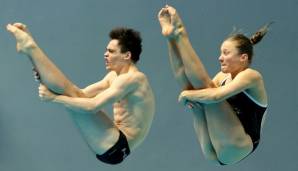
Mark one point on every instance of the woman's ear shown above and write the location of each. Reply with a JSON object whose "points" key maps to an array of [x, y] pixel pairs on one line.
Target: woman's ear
{"points": [[244, 57]]}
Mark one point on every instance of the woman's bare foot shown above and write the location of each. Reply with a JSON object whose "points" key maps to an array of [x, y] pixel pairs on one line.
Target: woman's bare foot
{"points": [[170, 22], [165, 22]]}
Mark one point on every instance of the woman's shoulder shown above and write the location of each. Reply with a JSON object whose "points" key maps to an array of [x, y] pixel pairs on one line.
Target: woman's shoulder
{"points": [[251, 72]]}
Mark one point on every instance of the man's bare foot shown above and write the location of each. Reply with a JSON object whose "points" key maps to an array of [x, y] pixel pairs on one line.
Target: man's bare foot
{"points": [[25, 42]]}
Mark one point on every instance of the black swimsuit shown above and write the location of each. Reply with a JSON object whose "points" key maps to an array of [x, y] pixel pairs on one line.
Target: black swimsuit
{"points": [[250, 114]]}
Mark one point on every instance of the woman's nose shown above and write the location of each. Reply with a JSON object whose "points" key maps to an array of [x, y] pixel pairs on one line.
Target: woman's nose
{"points": [[220, 58]]}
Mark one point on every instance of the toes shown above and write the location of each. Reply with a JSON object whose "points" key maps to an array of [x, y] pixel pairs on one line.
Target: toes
{"points": [[20, 25], [11, 28]]}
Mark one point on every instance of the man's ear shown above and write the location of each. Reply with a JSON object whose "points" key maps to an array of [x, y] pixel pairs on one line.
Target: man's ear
{"points": [[127, 55]]}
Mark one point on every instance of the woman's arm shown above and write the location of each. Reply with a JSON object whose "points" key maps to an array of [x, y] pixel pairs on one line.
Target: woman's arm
{"points": [[246, 79]]}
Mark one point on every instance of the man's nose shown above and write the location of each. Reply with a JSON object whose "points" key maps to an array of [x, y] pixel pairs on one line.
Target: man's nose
{"points": [[105, 54]]}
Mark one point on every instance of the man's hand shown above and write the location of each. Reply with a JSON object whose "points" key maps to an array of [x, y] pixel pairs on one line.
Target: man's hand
{"points": [[36, 75], [45, 94]]}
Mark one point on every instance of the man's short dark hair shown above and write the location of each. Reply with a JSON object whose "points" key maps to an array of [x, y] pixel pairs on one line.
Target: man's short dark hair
{"points": [[129, 40]]}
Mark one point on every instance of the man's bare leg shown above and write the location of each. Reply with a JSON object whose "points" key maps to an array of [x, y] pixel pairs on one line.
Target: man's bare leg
{"points": [[49, 73], [98, 130]]}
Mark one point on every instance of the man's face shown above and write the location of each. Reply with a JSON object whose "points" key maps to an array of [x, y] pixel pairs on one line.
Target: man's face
{"points": [[114, 59]]}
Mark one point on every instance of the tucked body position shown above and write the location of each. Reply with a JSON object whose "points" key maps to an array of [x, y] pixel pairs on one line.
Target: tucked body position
{"points": [[228, 109], [124, 87]]}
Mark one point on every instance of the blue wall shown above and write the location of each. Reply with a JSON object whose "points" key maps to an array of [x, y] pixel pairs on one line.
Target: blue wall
{"points": [[38, 136]]}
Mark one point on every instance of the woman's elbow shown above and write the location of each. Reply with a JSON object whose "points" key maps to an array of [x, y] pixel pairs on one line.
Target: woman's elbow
{"points": [[91, 108], [217, 98]]}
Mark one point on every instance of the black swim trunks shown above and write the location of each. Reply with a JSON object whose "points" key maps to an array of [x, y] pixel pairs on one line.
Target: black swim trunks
{"points": [[117, 153]]}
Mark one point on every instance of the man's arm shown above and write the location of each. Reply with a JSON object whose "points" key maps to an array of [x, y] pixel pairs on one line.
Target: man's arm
{"points": [[244, 80], [118, 89], [96, 88]]}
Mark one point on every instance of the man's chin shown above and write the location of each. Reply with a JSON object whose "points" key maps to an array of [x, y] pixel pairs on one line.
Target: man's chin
{"points": [[108, 68], [224, 70]]}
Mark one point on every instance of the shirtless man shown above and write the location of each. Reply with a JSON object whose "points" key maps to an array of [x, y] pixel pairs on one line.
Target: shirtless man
{"points": [[124, 87]]}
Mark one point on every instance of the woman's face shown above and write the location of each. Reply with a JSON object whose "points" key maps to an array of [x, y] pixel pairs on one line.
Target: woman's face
{"points": [[231, 61]]}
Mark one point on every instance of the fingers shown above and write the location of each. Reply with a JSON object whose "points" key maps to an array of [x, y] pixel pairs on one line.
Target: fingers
{"points": [[182, 99], [36, 75], [42, 92], [42, 87], [189, 104]]}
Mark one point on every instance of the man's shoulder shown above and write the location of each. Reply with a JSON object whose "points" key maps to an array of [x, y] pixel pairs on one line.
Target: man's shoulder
{"points": [[135, 76], [130, 79], [111, 75]]}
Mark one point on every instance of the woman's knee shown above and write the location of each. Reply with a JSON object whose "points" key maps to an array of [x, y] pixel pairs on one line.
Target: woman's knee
{"points": [[209, 153], [233, 152]]}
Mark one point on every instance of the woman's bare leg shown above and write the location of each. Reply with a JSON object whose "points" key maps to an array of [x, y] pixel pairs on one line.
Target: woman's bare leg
{"points": [[200, 125], [174, 30], [225, 130], [227, 134]]}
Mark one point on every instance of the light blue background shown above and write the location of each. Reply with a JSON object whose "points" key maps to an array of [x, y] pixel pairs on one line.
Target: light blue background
{"points": [[38, 136]]}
